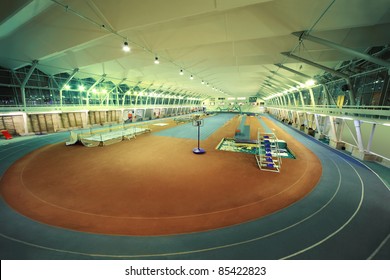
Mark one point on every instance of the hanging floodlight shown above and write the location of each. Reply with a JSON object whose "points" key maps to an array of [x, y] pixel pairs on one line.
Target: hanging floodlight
{"points": [[191, 77], [310, 83], [181, 72], [126, 47], [81, 88], [202, 82], [156, 61]]}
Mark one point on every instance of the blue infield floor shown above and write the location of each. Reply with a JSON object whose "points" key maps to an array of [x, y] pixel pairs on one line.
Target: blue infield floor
{"points": [[189, 131]]}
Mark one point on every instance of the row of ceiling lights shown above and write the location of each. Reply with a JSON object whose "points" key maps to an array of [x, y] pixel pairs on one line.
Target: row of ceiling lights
{"points": [[309, 83], [154, 94], [126, 48]]}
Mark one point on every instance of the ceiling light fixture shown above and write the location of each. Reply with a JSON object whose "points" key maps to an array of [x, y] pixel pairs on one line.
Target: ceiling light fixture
{"points": [[191, 77], [310, 83], [202, 82], [126, 47], [181, 72], [156, 61]]}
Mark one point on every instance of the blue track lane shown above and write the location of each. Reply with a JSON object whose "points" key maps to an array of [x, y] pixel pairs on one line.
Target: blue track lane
{"points": [[264, 125], [189, 131], [347, 216]]}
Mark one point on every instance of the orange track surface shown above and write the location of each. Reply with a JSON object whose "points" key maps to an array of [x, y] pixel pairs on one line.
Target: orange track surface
{"points": [[155, 185]]}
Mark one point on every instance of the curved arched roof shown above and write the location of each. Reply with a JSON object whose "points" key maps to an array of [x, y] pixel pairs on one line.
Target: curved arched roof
{"points": [[232, 45]]}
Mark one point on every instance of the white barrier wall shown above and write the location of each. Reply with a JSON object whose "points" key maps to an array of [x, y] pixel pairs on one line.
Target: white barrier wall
{"points": [[380, 142]]}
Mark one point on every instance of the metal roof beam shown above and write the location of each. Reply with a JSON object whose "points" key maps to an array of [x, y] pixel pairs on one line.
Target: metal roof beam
{"points": [[316, 65], [96, 83], [293, 71], [286, 78], [33, 66], [304, 35], [329, 70], [69, 78]]}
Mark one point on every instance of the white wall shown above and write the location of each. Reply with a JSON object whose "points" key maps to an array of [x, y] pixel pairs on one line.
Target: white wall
{"points": [[381, 141]]}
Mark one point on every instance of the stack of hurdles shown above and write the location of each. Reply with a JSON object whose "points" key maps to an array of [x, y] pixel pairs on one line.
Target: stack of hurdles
{"points": [[106, 135]]}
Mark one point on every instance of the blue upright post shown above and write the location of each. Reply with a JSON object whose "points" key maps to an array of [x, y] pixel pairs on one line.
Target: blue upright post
{"points": [[198, 150]]}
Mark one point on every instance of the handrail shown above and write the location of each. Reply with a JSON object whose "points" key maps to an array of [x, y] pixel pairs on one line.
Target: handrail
{"points": [[48, 107], [354, 112]]}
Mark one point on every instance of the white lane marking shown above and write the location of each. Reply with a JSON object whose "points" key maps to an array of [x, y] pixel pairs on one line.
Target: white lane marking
{"points": [[340, 228], [379, 247], [198, 250]]}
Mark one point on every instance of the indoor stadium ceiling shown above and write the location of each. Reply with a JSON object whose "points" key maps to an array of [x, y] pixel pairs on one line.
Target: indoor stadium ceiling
{"points": [[231, 44]]}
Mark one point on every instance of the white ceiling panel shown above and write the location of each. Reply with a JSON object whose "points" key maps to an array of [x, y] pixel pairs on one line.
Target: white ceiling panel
{"points": [[230, 44]]}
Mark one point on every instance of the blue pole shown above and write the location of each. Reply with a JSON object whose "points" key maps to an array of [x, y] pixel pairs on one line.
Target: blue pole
{"points": [[198, 135]]}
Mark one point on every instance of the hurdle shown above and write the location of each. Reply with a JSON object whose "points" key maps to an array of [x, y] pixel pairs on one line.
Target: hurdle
{"points": [[185, 119], [107, 135]]}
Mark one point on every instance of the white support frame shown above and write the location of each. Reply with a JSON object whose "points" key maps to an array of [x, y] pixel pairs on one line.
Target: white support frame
{"points": [[263, 159]]}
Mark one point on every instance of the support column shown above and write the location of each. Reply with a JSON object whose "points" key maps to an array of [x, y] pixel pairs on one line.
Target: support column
{"points": [[327, 95], [280, 101], [24, 83], [289, 100], [371, 138], [302, 100], [350, 130], [317, 123], [66, 83], [360, 153], [298, 124], [295, 100], [25, 119], [284, 100], [84, 118], [23, 92], [318, 135], [335, 134], [351, 91], [359, 135], [312, 101]]}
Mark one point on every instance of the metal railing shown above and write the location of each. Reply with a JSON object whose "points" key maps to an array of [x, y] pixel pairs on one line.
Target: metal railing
{"points": [[49, 107], [373, 112]]}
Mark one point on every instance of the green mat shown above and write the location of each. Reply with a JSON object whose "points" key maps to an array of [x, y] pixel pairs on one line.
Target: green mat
{"points": [[228, 144]]}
